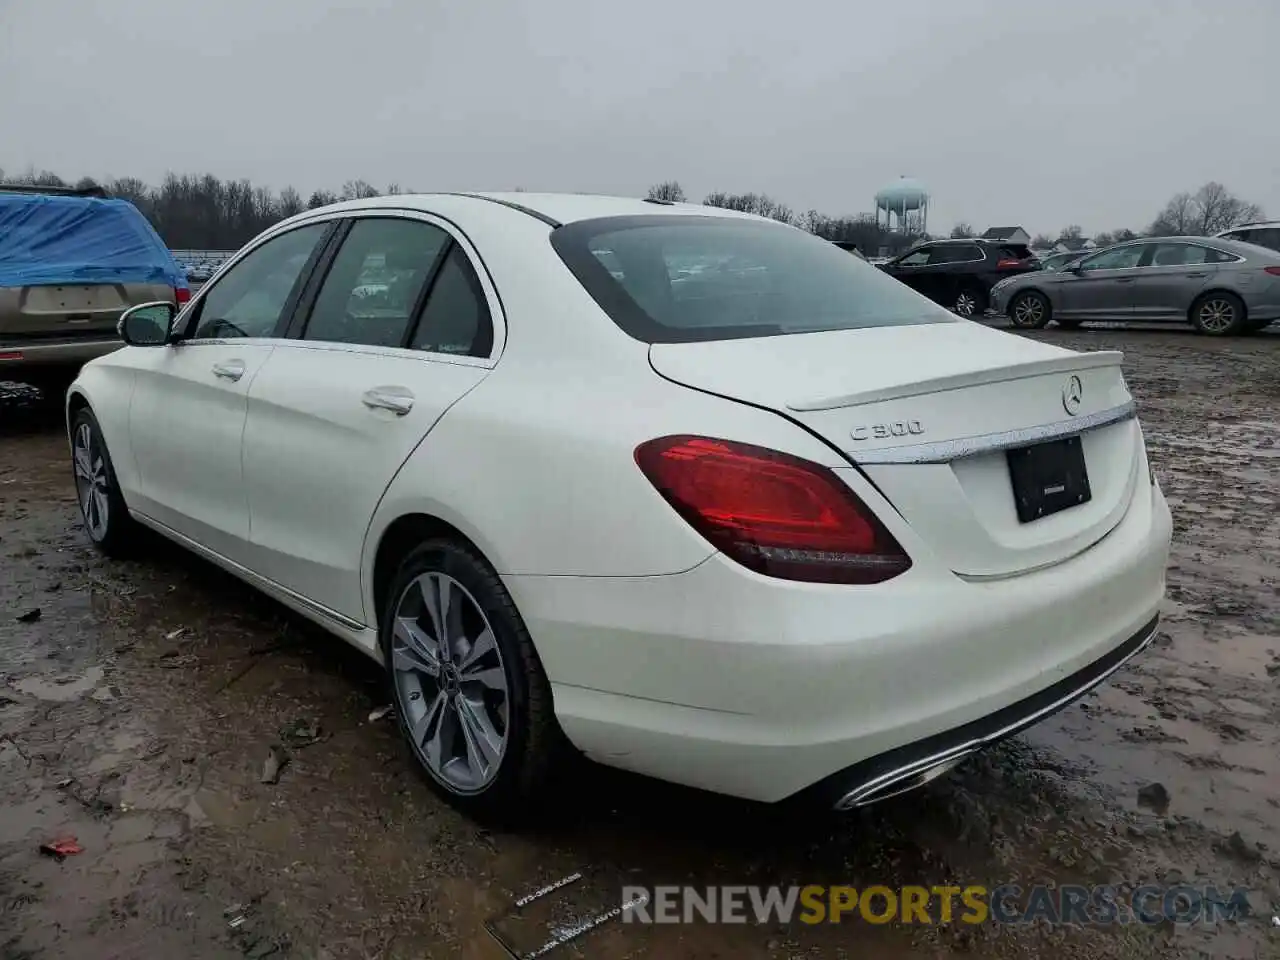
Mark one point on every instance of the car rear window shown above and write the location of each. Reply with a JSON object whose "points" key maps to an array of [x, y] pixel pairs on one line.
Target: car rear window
{"points": [[672, 279], [1015, 251]]}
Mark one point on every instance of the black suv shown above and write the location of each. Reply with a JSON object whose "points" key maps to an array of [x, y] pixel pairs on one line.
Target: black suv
{"points": [[959, 274]]}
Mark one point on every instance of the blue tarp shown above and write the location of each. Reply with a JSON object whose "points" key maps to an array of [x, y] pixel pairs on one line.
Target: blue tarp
{"points": [[63, 240]]}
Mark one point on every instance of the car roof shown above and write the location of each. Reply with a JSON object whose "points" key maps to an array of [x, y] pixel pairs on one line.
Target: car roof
{"points": [[1252, 225], [554, 209]]}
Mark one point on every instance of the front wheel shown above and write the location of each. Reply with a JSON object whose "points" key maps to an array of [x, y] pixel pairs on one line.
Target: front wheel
{"points": [[1218, 314], [1030, 310], [102, 509], [470, 694]]}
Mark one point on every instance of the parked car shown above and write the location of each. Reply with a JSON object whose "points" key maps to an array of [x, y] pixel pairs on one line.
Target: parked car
{"points": [[70, 263], [1263, 234], [959, 274], [781, 528], [1056, 261], [1219, 286]]}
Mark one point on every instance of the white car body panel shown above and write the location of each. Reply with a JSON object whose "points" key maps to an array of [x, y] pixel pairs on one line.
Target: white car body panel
{"points": [[317, 459], [665, 656], [186, 425]]}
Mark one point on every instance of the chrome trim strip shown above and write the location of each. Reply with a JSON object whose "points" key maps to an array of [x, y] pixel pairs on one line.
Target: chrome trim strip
{"points": [[944, 451], [244, 573], [864, 794]]}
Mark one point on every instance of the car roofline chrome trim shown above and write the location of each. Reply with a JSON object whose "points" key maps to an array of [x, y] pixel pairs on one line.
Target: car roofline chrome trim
{"points": [[266, 584], [867, 792], [945, 451]]}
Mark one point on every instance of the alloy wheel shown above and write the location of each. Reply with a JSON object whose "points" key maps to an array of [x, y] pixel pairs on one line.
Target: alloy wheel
{"points": [[1217, 315], [1028, 312], [92, 483], [450, 682], [966, 304]]}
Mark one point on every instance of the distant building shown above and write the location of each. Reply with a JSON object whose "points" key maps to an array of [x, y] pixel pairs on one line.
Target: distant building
{"points": [[1009, 234], [1074, 245]]}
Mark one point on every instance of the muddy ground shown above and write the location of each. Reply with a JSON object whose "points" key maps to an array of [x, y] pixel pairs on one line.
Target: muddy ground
{"points": [[137, 710]]}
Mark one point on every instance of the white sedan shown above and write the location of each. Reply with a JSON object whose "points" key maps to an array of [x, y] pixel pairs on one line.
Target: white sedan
{"points": [[783, 528]]}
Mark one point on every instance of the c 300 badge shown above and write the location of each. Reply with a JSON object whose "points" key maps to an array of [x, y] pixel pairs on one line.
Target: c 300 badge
{"points": [[887, 431]]}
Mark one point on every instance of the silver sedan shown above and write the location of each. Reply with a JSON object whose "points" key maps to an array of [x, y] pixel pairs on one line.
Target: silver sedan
{"points": [[1219, 286]]}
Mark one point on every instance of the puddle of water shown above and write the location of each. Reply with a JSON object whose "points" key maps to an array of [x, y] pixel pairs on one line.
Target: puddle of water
{"points": [[60, 689]]}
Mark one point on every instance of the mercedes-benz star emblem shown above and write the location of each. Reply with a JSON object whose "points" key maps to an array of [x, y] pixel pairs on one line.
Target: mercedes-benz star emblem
{"points": [[1072, 394]]}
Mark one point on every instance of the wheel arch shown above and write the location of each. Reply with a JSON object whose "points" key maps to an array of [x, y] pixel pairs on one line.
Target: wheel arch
{"points": [[1209, 292], [395, 541]]}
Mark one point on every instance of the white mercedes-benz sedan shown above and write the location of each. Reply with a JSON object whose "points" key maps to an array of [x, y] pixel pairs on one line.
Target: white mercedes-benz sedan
{"points": [[694, 492]]}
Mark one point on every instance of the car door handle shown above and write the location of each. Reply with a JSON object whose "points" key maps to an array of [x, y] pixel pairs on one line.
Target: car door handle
{"points": [[396, 399], [230, 370], [1196, 276], [1125, 279]]}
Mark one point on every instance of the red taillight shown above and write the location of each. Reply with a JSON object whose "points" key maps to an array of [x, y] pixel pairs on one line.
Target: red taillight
{"points": [[1274, 271], [1008, 264], [11, 355], [775, 513], [182, 294]]}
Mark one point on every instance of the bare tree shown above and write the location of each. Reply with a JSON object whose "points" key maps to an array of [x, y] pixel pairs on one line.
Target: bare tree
{"points": [[290, 203], [760, 204], [667, 190], [1042, 240], [1071, 233], [1211, 209], [962, 231], [358, 190]]}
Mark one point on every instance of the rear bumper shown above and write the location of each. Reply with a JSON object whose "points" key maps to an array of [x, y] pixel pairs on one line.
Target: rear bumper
{"points": [[913, 765], [725, 680], [22, 354]]}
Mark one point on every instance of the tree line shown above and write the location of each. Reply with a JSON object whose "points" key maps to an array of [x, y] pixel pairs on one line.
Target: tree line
{"points": [[202, 211]]}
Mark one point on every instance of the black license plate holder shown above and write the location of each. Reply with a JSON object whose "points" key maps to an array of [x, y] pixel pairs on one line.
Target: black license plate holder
{"points": [[1048, 478]]}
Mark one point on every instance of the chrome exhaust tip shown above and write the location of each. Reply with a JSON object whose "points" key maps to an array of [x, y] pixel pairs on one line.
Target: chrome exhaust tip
{"points": [[897, 782]]}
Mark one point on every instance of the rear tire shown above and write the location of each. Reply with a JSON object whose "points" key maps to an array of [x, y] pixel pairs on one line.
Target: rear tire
{"points": [[102, 508], [969, 302], [1219, 314], [1030, 310], [471, 698]]}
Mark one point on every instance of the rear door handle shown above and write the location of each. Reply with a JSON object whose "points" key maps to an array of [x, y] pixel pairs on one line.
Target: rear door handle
{"points": [[229, 370], [1196, 276], [396, 399], [1125, 279]]}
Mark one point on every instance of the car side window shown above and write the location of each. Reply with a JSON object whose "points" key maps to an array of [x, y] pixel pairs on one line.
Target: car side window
{"points": [[249, 300], [456, 319], [375, 282], [1179, 254], [918, 258], [1213, 255], [1118, 258]]}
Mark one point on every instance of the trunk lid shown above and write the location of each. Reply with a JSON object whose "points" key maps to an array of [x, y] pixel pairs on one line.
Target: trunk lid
{"points": [[928, 412]]}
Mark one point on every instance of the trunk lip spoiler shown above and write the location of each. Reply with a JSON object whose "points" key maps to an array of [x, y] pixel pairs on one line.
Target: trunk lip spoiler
{"points": [[946, 451], [1072, 363]]}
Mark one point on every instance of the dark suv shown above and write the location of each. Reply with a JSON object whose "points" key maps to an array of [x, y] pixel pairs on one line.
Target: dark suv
{"points": [[959, 274]]}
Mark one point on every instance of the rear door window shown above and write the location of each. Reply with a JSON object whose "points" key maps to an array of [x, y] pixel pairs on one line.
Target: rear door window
{"points": [[1015, 251], [456, 319], [376, 282], [667, 279]]}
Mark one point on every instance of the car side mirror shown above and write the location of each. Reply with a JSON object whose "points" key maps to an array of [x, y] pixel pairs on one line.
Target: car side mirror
{"points": [[147, 324]]}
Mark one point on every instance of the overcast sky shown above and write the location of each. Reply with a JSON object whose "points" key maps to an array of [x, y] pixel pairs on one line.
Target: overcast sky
{"points": [[1011, 112]]}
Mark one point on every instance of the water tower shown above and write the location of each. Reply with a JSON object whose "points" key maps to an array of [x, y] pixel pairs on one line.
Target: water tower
{"points": [[905, 203]]}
